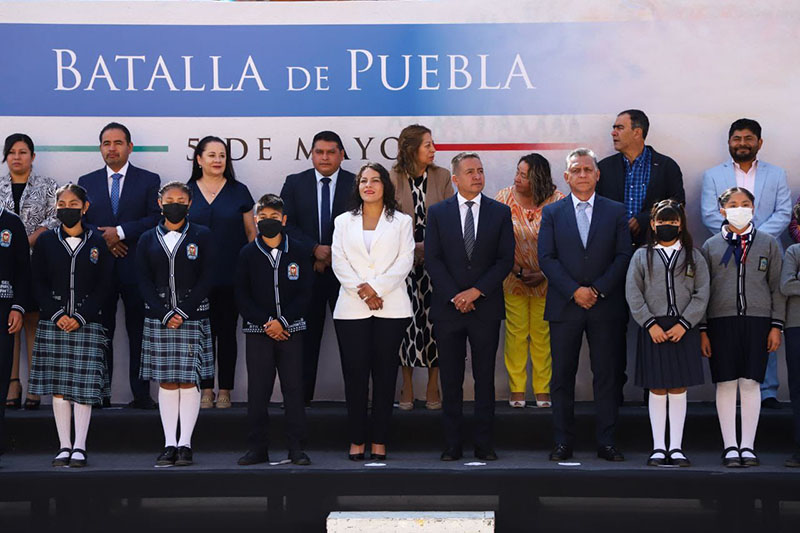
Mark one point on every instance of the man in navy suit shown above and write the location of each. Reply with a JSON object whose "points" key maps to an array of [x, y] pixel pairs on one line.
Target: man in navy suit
{"points": [[469, 250], [312, 199], [584, 250], [124, 204]]}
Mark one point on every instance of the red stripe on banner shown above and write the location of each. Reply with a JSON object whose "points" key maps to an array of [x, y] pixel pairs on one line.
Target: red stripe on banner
{"points": [[503, 147]]}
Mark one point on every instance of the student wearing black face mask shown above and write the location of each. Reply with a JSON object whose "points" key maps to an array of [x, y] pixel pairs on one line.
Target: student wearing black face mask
{"points": [[174, 261], [273, 290], [667, 289], [71, 271]]}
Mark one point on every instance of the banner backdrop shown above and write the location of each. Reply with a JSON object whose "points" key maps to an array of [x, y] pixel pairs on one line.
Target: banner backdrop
{"points": [[500, 78]]}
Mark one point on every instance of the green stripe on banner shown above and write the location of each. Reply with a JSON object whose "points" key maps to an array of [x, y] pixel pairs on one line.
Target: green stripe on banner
{"points": [[81, 148]]}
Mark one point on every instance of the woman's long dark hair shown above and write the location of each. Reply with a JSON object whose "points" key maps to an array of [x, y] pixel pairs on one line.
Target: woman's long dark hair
{"points": [[670, 211], [389, 201], [197, 172], [408, 143], [539, 176]]}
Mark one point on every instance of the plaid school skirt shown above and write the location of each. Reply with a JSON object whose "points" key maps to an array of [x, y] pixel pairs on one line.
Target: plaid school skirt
{"points": [[72, 365], [182, 355]]}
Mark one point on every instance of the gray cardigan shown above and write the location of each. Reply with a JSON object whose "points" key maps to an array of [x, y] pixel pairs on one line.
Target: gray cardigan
{"points": [[757, 293], [667, 290], [790, 285]]}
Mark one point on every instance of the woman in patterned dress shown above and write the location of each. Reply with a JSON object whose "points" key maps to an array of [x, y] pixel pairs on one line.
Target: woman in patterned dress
{"points": [[419, 184], [525, 287], [33, 198]]}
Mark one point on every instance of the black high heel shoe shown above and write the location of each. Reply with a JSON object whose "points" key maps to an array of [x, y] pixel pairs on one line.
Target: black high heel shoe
{"points": [[14, 403], [377, 456], [356, 456]]}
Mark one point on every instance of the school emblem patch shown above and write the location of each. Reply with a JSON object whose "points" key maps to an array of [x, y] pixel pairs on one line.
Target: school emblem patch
{"points": [[293, 271], [5, 238], [191, 251], [763, 263], [94, 255]]}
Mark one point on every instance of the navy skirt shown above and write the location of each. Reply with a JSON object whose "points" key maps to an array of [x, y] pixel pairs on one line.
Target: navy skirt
{"points": [[669, 365], [738, 347]]}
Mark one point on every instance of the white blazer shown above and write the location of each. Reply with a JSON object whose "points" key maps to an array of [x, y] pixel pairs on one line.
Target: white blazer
{"points": [[385, 267]]}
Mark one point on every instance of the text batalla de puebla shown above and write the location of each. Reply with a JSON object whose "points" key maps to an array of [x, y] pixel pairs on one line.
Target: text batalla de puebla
{"points": [[421, 72]]}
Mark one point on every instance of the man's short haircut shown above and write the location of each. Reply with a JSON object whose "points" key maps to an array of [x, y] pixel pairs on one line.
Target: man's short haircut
{"points": [[115, 126], [638, 120], [456, 161], [328, 136], [578, 152], [270, 201], [745, 124]]}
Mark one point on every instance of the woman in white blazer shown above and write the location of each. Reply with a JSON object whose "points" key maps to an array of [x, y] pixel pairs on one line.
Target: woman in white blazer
{"points": [[372, 254]]}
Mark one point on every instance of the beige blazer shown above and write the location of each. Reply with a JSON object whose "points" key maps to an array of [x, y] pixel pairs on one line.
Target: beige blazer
{"points": [[385, 267], [440, 187]]}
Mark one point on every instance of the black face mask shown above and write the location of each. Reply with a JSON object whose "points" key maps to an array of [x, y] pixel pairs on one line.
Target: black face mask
{"points": [[174, 213], [69, 216], [667, 232], [269, 227]]}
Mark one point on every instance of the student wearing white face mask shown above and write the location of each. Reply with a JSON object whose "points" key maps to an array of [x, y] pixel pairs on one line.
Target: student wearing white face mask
{"points": [[745, 319]]}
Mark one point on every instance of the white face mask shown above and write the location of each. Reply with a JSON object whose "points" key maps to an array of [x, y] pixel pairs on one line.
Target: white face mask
{"points": [[739, 217]]}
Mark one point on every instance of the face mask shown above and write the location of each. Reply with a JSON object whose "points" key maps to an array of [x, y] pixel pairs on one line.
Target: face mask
{"points": [[174, 213], [739, 217], [667, 232], [69, 216], [269, 227]]}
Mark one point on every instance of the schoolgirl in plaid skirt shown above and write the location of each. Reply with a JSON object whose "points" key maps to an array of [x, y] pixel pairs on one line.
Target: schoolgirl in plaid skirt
{"points": [[71, 271], [174, 265]]}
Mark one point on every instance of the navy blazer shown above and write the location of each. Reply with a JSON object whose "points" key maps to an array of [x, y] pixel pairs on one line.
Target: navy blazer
{"points": [[301, 207], [138, 210], [450, 270], [602, 264]]}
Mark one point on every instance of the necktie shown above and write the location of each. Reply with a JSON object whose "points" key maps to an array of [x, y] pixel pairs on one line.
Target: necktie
{"points": [[115, 192], [583, 222], [325, 222], [469, 230]]}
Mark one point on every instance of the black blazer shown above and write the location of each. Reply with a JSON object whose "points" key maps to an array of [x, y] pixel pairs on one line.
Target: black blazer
{"points": [[666, 181], [138, 210], [603, 264], [15, 271], [450, 270], [300, 206]]}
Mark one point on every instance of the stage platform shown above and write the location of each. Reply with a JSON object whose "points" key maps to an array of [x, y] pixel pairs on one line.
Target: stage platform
{"points": [[123, 444]]}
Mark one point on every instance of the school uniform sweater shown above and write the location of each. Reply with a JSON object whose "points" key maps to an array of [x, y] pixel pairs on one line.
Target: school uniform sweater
{"points": [[751, 288], [790, 285], [177, 281], [667, 289], [15, 274], [71, 282], [273, 288]]}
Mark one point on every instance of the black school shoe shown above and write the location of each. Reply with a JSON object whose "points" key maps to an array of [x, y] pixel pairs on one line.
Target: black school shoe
{"points": [[749, 461], [657, 461], [62, 461], [299, 458], [731, 462], [253, 457], [793, 461], [184, 456], [167, 457], [77, 463]]}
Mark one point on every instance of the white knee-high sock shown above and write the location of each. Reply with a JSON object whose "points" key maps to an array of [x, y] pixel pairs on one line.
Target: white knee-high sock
{"points": [[62, 411], [657, 406], [677, 416], [168, 408], [726, 412], [83, 415], [190, 408], [750, 394]]}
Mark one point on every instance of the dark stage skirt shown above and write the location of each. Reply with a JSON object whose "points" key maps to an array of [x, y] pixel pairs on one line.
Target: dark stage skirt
{"points": [[72, 365], [182, 355], [669, 365], [738, 347]]}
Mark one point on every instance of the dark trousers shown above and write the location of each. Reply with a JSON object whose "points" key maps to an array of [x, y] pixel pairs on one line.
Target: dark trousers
{"points": [[224, 315], [325, 294], [264, 357], [6, 359], [606, 351], [134, 324], [792, 336], [370, 347], [451, 338]]}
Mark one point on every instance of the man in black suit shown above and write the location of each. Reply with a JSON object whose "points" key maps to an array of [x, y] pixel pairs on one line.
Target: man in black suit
{"points": [[123, 205], [469, 250], [584, 250], [312, 199], [637, 175]]}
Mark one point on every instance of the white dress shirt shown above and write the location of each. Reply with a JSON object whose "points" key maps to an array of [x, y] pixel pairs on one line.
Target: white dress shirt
{"points": [[746, 180], [124, 172], [476, 211], [171, 239], [671, 249], [332, 185], [589, 209], [73, 242]]}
